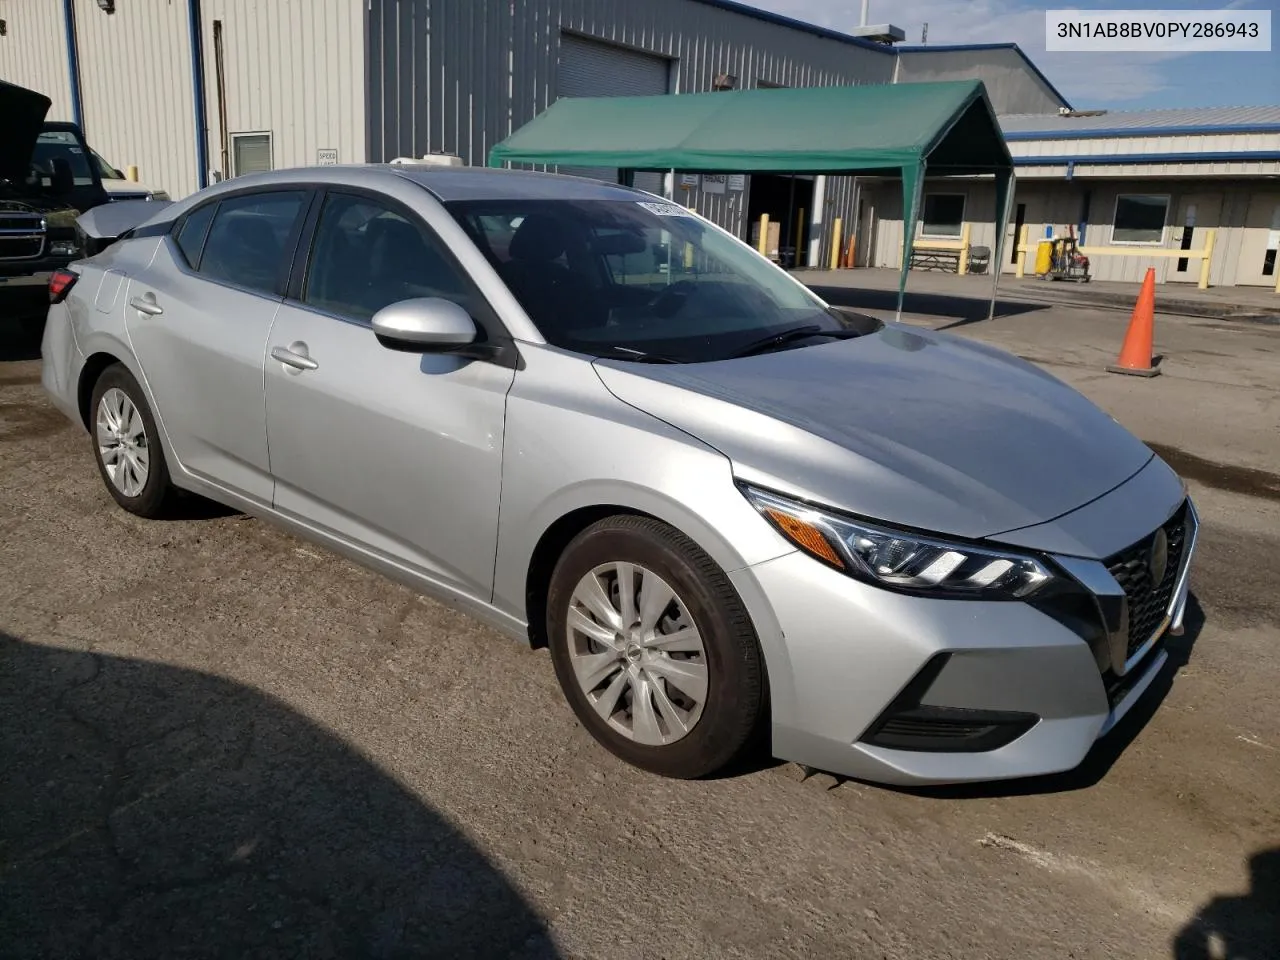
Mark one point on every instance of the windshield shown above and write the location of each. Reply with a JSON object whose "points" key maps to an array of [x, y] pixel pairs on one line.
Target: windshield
{"points": [[639, 277], [63, 145], [105, 170]]}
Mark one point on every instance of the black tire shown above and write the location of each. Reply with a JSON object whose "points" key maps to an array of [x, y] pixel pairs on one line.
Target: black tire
{"points": [[736, 705], [157, 494]]}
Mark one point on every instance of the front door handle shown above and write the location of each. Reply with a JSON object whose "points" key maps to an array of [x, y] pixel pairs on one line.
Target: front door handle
{"points": [[147, 304], [292, 358]]}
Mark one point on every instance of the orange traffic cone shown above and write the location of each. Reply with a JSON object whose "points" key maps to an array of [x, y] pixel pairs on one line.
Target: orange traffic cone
{"points": [[1136, 353]]}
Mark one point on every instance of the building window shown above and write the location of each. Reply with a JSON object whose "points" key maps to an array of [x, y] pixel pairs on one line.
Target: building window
{"points": [[1140, 218], [250, 153], [943, 215]]}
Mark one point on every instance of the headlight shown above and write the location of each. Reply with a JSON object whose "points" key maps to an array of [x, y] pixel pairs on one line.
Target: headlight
{"points": [[900, 560], [63, 248]]}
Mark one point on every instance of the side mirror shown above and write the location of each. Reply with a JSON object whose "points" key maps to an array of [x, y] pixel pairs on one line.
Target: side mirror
{"points": [[63, 180], [426, 324]]}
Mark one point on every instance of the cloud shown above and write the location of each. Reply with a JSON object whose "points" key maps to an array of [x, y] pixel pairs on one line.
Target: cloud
{"points": [[1084, 78]]}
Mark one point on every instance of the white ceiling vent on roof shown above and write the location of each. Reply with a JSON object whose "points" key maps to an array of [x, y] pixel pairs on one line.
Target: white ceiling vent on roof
{"points": [[431, 160]]}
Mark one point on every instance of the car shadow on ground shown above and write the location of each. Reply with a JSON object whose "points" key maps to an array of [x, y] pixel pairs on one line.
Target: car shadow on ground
{"points": [[163, 812], [1109, 748], [1238, 927], [959, 310]]}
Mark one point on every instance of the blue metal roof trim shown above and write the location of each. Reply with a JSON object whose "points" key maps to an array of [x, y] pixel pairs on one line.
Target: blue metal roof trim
{"points": [[776, 18], [1143, 132], [960, 47], [1136, 158]]}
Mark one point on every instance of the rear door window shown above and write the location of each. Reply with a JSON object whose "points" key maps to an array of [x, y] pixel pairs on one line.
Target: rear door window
{"points": [[250, 243]]}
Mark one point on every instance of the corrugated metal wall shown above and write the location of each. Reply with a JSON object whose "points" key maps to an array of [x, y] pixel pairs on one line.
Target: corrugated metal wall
{"points": [[424, 97], [34, 53], [135, 83], [293, 68]]}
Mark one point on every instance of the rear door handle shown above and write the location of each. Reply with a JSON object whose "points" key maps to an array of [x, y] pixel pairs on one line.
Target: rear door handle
{"points": [[147, 304], [299, 361]]}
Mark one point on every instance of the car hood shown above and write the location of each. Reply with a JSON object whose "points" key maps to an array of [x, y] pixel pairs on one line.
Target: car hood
{"points": [[23, 113], [915, 428]]}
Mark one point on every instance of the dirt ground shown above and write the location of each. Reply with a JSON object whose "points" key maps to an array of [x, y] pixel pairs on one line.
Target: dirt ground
{"points": [[216, 740]]}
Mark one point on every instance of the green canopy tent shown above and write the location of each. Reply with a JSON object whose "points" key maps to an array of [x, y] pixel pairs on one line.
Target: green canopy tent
{"points": [[899, 130]]}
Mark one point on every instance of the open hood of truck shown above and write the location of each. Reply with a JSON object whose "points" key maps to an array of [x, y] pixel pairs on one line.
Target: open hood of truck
{"points": [[22, 114]]}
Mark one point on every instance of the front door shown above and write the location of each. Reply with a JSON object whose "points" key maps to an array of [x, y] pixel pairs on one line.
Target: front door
{"points": [[399, 453], [1197, 213], [1260, 242], [198, 318]]}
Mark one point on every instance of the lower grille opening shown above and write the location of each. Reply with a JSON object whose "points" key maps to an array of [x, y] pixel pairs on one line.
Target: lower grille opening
{"points": [[908, 724], [1118, 687]]}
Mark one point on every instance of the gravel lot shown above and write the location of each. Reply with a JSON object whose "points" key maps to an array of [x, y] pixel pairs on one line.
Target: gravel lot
{"points": [[216, 740]]}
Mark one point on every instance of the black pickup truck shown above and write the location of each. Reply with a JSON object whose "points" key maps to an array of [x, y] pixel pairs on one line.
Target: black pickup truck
{"points": [[40, 198]]}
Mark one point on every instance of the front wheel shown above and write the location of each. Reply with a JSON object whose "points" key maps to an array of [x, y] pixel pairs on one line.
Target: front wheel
{"points": [[654, 649]]}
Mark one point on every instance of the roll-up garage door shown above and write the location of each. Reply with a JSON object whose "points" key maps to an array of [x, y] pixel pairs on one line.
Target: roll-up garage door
{"points": [[592, 69]]}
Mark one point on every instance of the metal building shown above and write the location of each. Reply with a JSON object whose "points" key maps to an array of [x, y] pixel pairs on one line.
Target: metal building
{"points": [[194, 90], [1139, 189]]}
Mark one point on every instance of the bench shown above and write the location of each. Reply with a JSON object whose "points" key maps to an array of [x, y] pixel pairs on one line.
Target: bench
{"points": [[925, 257]]}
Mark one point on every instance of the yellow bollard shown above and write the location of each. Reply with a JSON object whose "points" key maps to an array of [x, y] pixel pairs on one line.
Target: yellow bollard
{"points": [[963, 266], [1206, 261], [688, 256], [131, 172], [835, 243], [763, 243], [1022, 251]]}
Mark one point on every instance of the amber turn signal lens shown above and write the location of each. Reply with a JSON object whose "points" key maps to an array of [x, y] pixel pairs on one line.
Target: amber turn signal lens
{"points": [[806, 536]]}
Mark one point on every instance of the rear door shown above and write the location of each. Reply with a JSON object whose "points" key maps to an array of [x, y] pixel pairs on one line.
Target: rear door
{"points": [[398, 452], [198, 318]]}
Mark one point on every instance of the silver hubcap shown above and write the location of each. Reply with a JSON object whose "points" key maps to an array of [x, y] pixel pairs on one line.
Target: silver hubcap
{"points": [[122, 442], [637, 653]]}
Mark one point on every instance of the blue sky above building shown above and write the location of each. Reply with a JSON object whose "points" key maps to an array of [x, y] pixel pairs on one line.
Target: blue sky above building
{"points": [[1130, 81]]}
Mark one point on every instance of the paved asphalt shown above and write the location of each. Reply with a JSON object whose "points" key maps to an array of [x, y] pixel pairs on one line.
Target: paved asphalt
{"points": [[218, 741]]}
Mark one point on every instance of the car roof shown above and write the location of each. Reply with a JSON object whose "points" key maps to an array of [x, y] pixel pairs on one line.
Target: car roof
{"points": [[481, 183], [448, 183]]}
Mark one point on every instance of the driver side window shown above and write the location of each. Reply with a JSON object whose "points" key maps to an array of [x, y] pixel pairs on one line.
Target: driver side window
{"points": [[366, 255]]}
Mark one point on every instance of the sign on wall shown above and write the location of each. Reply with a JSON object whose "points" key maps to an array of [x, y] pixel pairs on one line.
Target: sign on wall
{"points": [[714, 182], [688, 181], [737, 182], [327, 157]]}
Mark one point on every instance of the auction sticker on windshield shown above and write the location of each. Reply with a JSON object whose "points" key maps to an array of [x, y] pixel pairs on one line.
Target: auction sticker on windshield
{"points": [[664, 209]]}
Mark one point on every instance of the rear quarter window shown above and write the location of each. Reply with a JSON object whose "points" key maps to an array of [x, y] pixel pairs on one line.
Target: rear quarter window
{"points": [[192, 232]]}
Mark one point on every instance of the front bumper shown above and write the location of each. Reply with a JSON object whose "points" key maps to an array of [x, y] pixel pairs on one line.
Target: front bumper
{"points": [[843, 655]]}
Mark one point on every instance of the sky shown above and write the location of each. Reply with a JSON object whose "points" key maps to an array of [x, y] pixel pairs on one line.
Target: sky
{"points": [[1133, 81]]}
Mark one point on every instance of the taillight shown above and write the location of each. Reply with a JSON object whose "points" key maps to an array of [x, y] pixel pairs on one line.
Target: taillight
{"points": [[60, 284]]}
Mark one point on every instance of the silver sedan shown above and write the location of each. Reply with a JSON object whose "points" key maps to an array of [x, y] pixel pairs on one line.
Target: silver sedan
{"points": [[738, 518]]}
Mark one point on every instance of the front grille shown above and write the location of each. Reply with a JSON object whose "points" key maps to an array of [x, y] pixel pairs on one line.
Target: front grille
{"points": [[21, 236], [1148, 600], [20, 248]]}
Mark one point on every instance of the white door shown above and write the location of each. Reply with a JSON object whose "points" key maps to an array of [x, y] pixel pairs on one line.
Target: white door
{"points": [[1260, 244], [589, 68], [1196, 215]]}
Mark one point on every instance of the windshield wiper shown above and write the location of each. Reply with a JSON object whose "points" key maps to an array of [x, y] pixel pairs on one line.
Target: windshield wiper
{"points": [[787, 336], [639, 356]]}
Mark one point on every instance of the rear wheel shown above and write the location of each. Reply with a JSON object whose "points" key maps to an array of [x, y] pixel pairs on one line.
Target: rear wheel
{"points": [[126, 445], [654, 649]]}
